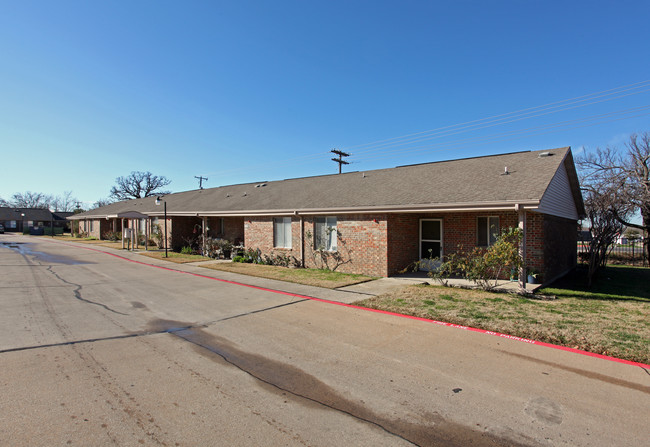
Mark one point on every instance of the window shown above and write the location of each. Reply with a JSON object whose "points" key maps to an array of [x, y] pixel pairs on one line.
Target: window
{"points": [[282, 232], [325, 233], [430, 238], [488, 231], [12, 224], [90, 225]]}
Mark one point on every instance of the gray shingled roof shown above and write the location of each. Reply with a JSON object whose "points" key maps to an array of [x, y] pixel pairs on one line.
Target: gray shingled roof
{"points": [[33, 214], [472, 182]]}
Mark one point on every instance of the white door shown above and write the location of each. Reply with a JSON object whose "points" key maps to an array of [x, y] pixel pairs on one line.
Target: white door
{"points": [[430, 244]]}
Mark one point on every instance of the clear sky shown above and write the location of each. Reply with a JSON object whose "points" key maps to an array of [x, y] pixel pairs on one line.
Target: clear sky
{"points": [[245, 91]]}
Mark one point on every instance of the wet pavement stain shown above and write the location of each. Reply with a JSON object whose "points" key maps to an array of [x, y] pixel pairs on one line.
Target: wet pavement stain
{"points": [[77, 292], [25, 250], [585, 373], [286, 378], [545, 410]]}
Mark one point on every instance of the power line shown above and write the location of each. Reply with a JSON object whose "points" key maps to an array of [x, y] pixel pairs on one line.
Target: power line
{"points": [[560, 105], [512, 135], [404, 143]]}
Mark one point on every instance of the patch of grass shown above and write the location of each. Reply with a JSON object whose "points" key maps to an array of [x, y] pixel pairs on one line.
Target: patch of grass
{"points": [[94, 241], [311, 277], [177, 258], [617, 326], [615, 282]]}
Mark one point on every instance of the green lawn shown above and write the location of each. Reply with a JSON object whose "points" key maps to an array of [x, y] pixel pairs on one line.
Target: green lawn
{"points": [[616, 282]]}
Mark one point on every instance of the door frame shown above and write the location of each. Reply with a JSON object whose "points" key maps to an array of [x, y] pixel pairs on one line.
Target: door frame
{"points": [[424, 262]]}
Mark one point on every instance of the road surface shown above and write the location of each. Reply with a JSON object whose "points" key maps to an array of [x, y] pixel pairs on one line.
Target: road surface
{"points": [[96, 349]]}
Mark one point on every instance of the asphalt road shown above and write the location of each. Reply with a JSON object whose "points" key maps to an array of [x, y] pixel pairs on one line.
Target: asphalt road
{"points": [[96, 349]]}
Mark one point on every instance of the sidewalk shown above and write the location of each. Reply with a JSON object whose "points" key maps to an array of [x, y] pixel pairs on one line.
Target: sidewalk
{"points": [[347, 294]]}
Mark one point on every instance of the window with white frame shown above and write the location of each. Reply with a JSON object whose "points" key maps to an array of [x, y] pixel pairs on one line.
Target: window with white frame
{"points": [[325, 233], [282, 232], [487, 230]]}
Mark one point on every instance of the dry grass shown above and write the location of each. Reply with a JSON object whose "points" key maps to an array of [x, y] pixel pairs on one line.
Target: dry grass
{"points": [[91, 241], [614, 327], [172, 256], [310, 277]]}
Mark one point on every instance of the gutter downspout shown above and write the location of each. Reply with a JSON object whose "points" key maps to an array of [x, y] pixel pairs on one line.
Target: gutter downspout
{"points": [[302, 241], [204, 229], [522, 246]]}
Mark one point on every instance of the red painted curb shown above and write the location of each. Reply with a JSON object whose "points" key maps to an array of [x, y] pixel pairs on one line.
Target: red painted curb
{"points": [[441, 323]]}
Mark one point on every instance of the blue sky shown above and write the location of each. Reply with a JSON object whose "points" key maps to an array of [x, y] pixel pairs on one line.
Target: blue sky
{"points": [[248, 91]]}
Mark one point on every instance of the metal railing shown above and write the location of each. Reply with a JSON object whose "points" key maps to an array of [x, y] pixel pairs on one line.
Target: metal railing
{"points": [[627, 254]]}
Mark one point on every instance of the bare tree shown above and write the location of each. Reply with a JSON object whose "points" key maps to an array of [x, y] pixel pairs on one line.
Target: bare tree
{"points": [[64, 203], [102, 202], [3, 202], [137, 185], [628, 174], [31, 200], [602, 206]]}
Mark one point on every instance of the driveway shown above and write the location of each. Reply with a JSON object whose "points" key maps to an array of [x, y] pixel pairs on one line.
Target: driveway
{"points": [[97, 349]]}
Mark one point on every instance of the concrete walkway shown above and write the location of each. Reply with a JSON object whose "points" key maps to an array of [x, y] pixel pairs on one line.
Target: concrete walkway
{"points": [[386, 285], [346, 294]]}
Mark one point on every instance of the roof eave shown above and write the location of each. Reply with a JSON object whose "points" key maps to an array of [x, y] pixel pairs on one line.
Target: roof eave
{"points": [[413, 208]]}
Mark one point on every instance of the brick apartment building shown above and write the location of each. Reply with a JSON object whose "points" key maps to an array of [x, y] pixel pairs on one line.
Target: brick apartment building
{"points": [[378, 222]]}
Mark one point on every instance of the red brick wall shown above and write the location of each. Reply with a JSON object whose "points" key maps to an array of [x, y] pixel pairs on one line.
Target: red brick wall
{"points": [[383, 245], [561, 239], [258, 233], [233, 228], [182, 229], [362, 245], [458, 229], [535, 242]]}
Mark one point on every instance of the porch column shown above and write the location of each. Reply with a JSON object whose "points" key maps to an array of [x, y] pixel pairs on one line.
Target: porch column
{"points": [[134, 234], [204, 232], [147, 224], [122, 223], [302, 241], [522, 246]]}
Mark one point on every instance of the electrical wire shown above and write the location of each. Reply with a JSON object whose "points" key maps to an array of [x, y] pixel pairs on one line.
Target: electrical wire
{"points": [[500, 119]]}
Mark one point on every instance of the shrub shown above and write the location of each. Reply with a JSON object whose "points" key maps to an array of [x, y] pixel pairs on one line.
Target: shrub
{"points": [[112, 236], [187, 250], [158, 236], [483, 266], [218, 248]]}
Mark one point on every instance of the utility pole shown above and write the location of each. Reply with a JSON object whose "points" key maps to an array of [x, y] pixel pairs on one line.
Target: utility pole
{"points": [[201, 181], [340, 160]]}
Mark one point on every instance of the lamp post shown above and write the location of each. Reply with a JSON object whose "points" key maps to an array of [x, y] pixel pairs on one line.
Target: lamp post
{"points": [[22, 222], [164, 202]]}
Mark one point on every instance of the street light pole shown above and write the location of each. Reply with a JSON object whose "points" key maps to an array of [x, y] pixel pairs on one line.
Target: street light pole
{"points": [[158, 200]]}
